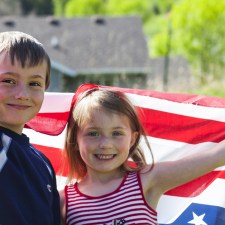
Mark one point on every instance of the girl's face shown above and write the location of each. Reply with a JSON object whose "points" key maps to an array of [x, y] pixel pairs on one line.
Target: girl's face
{"points": [[104, 141]]}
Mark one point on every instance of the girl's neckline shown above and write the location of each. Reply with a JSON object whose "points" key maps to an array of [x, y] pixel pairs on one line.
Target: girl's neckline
{"points": [[104, 195]]}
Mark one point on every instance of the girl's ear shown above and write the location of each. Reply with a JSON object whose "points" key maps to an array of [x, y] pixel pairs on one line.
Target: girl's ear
{"points": [[76, 147], [133, 138]]}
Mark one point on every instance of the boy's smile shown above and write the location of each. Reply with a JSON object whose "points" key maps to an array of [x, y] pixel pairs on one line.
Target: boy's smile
{"points": [[21, 92]]}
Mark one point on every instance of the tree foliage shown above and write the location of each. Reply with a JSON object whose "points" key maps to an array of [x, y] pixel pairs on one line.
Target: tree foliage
{"points": [[84, 7], [199, 27], [126, 7], [198, 34], [59, 7], [108, 7]]}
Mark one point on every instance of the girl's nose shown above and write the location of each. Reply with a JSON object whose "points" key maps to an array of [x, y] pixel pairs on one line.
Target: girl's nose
{"points": [[105, 142]]}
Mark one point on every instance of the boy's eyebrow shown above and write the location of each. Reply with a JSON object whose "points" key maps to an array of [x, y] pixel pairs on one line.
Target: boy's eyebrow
{"points": [[9, 73], [17, 74], [38, 76]]}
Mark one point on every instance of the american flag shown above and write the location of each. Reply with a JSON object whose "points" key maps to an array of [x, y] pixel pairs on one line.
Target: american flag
{"points": [[176, 125]]}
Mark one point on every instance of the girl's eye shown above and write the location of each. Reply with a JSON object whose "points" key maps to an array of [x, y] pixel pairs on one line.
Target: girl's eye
{"points": [[117, 133], [93, 134]]}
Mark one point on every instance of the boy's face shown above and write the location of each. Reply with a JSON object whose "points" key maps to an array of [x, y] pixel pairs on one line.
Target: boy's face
{"points": [[21, 92]]}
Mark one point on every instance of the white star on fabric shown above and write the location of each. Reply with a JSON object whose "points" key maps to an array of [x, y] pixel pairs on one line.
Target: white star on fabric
{"points": [[198, 220]]}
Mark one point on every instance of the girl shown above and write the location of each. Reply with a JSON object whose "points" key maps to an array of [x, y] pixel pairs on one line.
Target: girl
{"points": [[103, 137]]}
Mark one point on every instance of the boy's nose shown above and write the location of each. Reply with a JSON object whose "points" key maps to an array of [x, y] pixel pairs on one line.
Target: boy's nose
{"points": [[22, 92]]}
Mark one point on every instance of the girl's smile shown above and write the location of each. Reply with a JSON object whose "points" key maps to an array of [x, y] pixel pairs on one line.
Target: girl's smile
{"points": [[105, 157]]}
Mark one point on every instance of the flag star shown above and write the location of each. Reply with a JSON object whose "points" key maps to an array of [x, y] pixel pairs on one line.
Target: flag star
{"points": [[197, 220]]}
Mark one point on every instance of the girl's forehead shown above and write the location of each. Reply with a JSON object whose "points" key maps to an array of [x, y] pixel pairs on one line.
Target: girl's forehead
{"points": [[100, 110], [86, 109], [91, 113], [106, 116]]}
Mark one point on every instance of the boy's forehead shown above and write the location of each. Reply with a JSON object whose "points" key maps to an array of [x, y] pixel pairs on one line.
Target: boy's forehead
{"points": [[5, 59], [4, 56], [16, 67]]}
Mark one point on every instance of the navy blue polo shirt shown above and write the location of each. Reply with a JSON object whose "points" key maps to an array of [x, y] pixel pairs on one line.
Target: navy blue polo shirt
{"points": [[28, 192]]}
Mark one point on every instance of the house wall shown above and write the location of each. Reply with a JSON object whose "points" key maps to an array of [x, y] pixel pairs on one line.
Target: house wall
{"points": [[179, 80], [119, 80], [56, 82], [178, 75]]}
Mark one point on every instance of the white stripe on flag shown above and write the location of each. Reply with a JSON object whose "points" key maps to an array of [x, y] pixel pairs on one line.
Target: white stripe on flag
{"points": [[185, 109]]}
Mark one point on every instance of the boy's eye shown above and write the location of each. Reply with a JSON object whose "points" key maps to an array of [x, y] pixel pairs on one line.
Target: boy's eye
{"points": [[35, 84], [9, 81]]}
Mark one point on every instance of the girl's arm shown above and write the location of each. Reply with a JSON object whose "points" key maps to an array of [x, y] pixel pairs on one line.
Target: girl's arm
{"points": [[167, 175]]}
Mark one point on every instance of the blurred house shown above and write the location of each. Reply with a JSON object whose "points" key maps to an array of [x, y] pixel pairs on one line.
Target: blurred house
{"points": [[10, 7], [175, 77], [105, 50]]}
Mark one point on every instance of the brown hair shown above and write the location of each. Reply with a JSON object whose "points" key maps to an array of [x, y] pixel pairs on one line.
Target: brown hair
{"points": [[112, 101], [25, 49]]}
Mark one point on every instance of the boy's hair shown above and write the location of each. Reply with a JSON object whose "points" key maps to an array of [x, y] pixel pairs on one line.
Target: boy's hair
{"points": [[112, 102], [25, 49]]}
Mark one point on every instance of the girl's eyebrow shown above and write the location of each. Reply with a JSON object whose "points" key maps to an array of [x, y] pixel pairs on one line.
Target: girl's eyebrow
{"points": [[117, 127]]}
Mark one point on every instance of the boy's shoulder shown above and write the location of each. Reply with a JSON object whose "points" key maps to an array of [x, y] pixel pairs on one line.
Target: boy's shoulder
{"points": [[44, 159], [20, 142]]}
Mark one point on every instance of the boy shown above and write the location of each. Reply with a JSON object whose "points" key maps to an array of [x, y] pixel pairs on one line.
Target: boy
{"points": [[28, 193]]}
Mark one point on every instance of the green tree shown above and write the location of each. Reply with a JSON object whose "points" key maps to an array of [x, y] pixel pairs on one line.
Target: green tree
{"points": [[84, 7], [198, 34], [59, 7], [142, 8]]}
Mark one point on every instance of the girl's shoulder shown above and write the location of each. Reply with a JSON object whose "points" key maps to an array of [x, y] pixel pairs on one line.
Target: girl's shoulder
{"points": [[148, 176]]}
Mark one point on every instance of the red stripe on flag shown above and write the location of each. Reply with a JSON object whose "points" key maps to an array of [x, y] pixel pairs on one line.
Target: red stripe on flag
{"points": [[181, 128], [197, 186], [49, 123], [55, 155]]}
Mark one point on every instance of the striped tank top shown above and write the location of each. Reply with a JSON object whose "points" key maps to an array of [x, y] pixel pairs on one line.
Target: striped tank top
{"points": [[125, 205]]}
